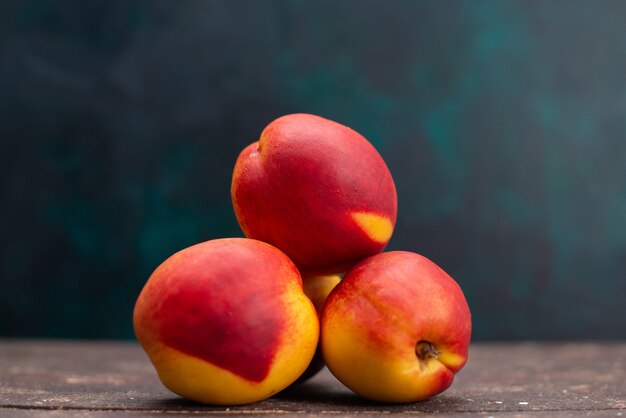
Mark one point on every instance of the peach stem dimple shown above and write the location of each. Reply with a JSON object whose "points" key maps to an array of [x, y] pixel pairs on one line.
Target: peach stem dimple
{"points": [[425, 350]]}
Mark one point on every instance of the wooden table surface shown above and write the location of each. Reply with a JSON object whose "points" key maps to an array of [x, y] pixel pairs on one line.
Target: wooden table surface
{"points": [[103, 379]]}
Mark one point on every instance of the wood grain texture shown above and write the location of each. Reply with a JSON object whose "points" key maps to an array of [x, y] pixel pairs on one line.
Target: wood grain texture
{"points": [[103, 379]]}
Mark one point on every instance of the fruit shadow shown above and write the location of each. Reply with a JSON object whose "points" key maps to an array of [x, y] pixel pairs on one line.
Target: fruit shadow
{"points": [[319, 393], [290, 398], [322, 393], [314, 398], [321, 397], [176, 404]]}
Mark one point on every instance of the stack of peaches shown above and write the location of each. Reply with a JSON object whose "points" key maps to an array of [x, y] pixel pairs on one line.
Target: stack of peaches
{"points": [[236, 320]]}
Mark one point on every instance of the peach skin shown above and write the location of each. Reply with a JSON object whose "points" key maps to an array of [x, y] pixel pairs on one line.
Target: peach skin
{"points": [[226, 322], [318, 191], [396, 329]]}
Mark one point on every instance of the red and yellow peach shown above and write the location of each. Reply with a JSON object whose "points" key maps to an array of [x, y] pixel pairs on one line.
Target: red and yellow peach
{"points": [[227, 322], [318, 191], [396, 329]]}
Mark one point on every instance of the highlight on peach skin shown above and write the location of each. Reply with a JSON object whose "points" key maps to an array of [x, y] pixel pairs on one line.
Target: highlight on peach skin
{"points": [[396, 329], [227, 322], [317, 190]]}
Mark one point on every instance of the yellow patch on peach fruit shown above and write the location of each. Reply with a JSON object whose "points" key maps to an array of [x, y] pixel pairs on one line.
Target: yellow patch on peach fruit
{"points": [[378, 228], [451, 360]]}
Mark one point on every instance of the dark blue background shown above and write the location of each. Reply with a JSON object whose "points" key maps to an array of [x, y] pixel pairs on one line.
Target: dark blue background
{"points": [[503, 123]]}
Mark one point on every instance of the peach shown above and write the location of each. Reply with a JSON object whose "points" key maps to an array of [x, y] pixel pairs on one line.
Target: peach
{"points": [[317, 288], [227, 322], [317, 190], [396, 329]]}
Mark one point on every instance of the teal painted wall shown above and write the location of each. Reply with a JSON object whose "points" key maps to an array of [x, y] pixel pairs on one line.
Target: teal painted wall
{"points": [[503, 123]]}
